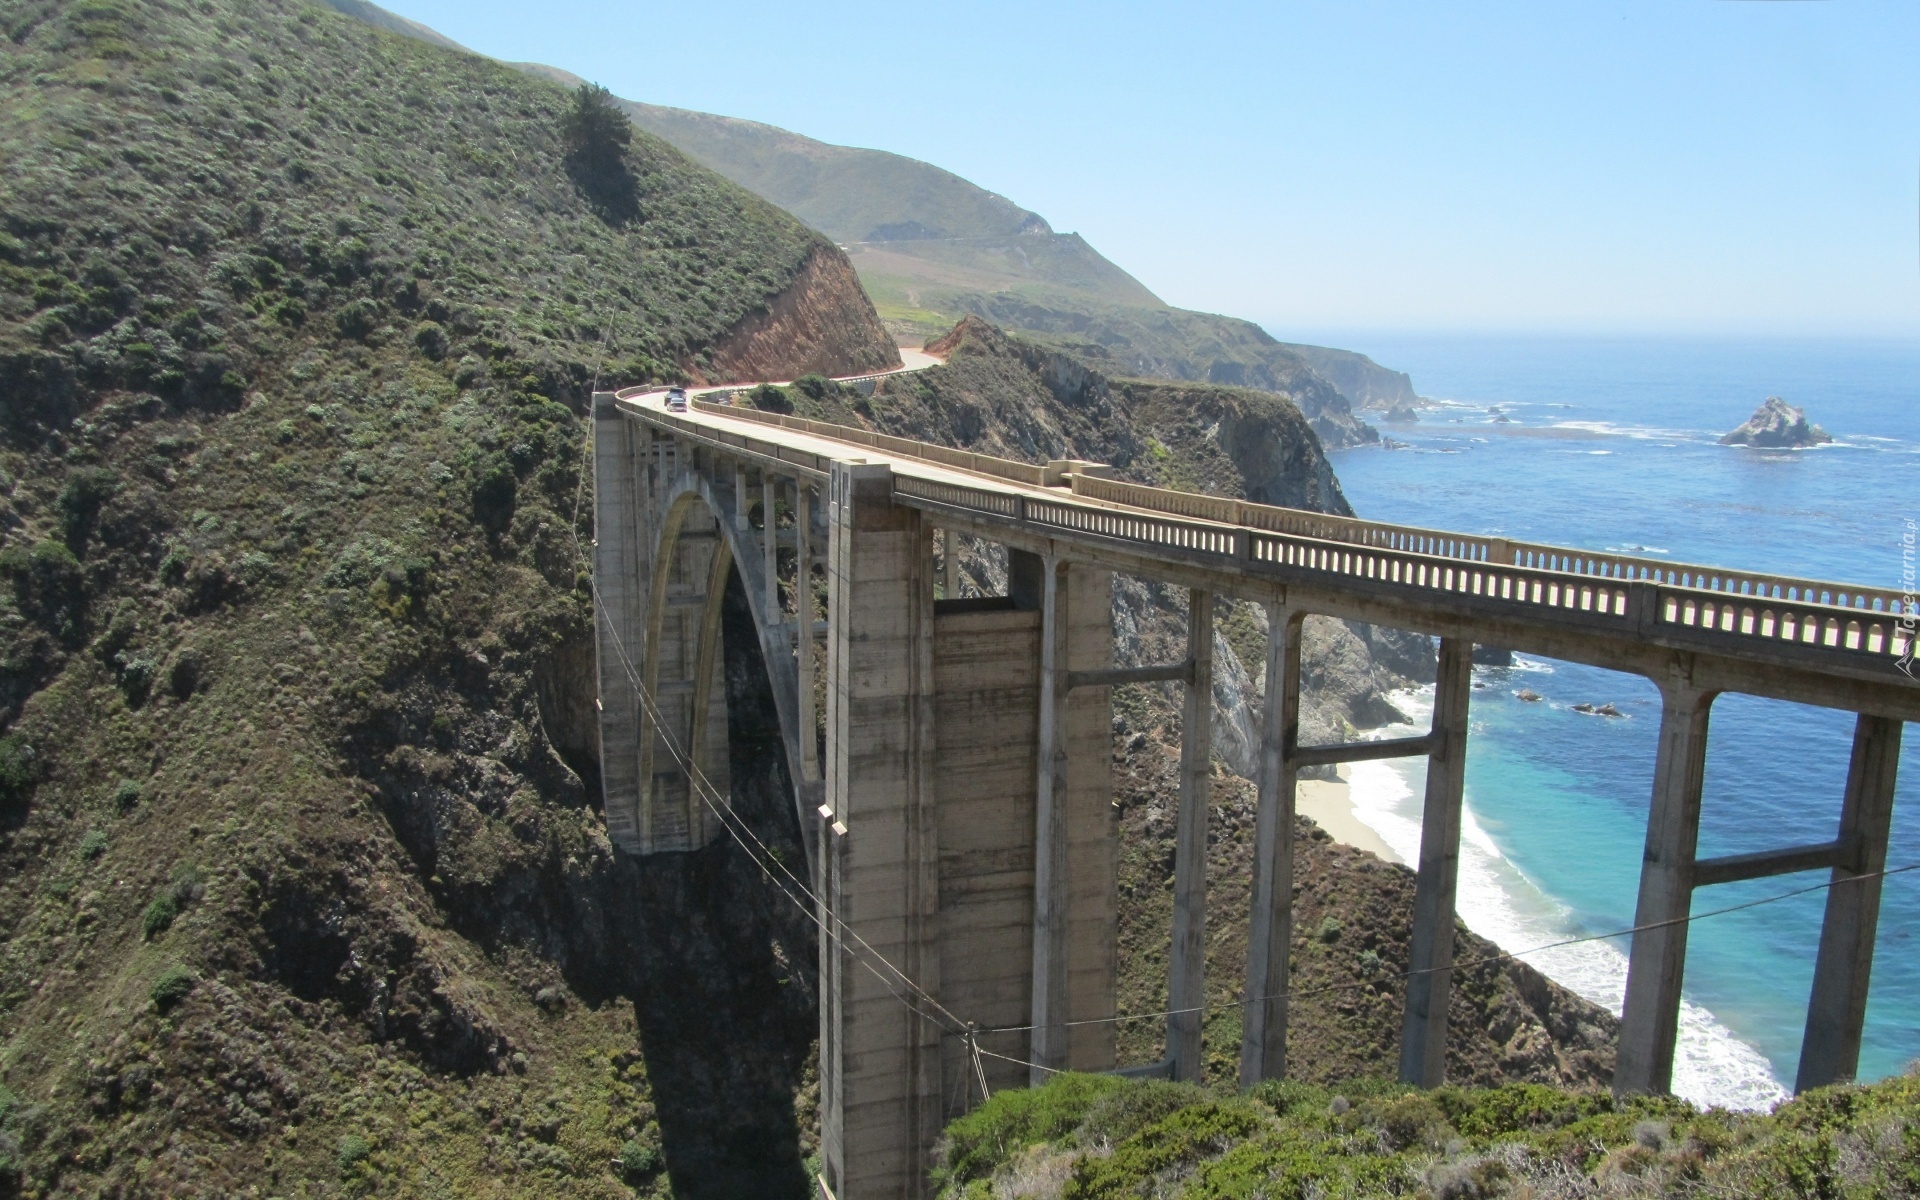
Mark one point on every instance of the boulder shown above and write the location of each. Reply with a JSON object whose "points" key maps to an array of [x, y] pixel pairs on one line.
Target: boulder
{"points": [[1777, 425]]}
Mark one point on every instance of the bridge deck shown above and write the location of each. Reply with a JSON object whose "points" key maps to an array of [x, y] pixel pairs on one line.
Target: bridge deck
{"points": [[1818, 642]]}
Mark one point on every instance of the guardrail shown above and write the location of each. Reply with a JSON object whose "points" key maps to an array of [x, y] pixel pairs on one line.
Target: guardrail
{"points": [[1503, 551], [1639, 606], [1718, 610]]}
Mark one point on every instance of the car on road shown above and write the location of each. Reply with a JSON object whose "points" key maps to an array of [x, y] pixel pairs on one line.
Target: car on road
{"points": [[676, 399]]}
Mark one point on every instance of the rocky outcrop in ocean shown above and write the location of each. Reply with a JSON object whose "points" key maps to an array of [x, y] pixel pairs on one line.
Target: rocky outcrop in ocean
{"points": [[1777, 425]]}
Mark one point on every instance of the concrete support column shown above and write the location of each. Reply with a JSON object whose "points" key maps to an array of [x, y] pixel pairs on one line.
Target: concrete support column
{"points": [[1837, 1010], [770, 541], [1187, 960], [620, 581], [885, 1104], [1423, 1029], [1048, 1050], [1263, 1031], [740, 505], [1650, 1022], [949, 564], [804, 647]]}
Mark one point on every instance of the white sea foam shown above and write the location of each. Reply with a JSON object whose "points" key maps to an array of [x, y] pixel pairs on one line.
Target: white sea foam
{"points": [[1500, 902], [1645, 433]]}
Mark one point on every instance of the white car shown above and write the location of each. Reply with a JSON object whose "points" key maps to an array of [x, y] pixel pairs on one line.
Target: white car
{"points": [[676, 399]]}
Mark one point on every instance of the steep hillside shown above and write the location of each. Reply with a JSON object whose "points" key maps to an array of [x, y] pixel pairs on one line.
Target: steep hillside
{"points": [[931, 248], [302, 886]]}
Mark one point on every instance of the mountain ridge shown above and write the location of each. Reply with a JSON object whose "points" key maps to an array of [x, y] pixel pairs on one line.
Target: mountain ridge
{"points": [[948, 248]]}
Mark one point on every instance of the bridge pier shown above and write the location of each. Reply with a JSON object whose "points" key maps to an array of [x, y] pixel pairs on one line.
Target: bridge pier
{"points": [[619, 627], [1423, 1029], [1650, 1018], [880, 1039], [1263, 1031], [1187, 957], [1837, 1009]]}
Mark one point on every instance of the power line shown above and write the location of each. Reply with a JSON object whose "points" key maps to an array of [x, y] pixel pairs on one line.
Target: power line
{"points": [[700, 785], [1504, 956]]}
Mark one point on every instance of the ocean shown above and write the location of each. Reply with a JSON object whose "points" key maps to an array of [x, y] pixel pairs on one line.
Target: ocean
{"points": [[1611, 444]]}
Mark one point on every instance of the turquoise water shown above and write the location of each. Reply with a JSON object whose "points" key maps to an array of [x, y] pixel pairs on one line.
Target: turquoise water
{"points": [[1611, 445]]}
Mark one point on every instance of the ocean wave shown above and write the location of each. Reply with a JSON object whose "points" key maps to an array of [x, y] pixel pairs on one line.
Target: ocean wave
{"points": [[1644, 433], [1500, 902]]}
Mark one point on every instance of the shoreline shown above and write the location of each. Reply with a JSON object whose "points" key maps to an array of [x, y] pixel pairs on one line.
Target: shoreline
{"points": [[1329, 804]]}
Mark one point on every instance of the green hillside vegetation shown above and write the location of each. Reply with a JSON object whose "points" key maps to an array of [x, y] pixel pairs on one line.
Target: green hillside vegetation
{"points": [[919, 236], [932, 248], [1097, 1138], [302, 886]]}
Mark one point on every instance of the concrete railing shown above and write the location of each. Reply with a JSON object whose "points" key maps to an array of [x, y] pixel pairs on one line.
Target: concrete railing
{"points": [[1711, 608], [1504, 551], [1455, 566]]}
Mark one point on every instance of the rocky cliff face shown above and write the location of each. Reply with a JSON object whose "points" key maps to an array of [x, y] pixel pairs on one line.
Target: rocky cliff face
{"points": [[821, 324], [1366, 383]]}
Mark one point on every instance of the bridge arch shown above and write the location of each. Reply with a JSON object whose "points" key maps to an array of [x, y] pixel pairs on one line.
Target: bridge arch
{"points": [[677, 535], [683, 722]]}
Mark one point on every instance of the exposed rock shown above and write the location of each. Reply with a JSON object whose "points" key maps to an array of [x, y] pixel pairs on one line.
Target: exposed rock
{"points": [[1777, 425], [1492, 656], [1401, 414], [1527, 696], [822, 324]]}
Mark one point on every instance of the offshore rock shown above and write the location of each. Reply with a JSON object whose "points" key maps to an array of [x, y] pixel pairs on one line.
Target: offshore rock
{"points": [[1777, 425]]}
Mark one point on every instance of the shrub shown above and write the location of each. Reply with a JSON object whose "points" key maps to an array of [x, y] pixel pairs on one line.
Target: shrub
{"points": [[1182, 1138], [186, 673], [1121, 1113], [137, 673], [126, 797], [1013, 1119], [1330, 929], [172, 987], [80, 500], [47, 584], [93, 844], [769, 398], [17, 768], [160, 915], [431, 340], [495, 493], [352, 1151], [637, 1161]]}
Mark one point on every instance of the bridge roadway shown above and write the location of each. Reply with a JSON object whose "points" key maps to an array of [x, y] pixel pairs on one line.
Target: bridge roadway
{"points": [[955, 804]]}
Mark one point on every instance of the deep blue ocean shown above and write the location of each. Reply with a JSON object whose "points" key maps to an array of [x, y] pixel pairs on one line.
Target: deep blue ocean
{"points": [[1612, 445]]}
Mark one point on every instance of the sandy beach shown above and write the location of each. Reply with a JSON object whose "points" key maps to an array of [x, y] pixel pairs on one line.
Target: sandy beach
{"points": [[1330, 807]]}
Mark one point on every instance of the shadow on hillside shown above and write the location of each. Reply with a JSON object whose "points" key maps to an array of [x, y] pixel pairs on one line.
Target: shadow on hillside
{"points": [[724, 986]]}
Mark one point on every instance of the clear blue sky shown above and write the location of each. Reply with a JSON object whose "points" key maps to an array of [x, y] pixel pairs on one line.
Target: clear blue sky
{"points": [[1738, 166]]}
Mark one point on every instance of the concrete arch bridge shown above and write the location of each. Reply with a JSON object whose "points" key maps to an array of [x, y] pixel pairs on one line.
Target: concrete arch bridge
{"points": [[951, 757]]}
